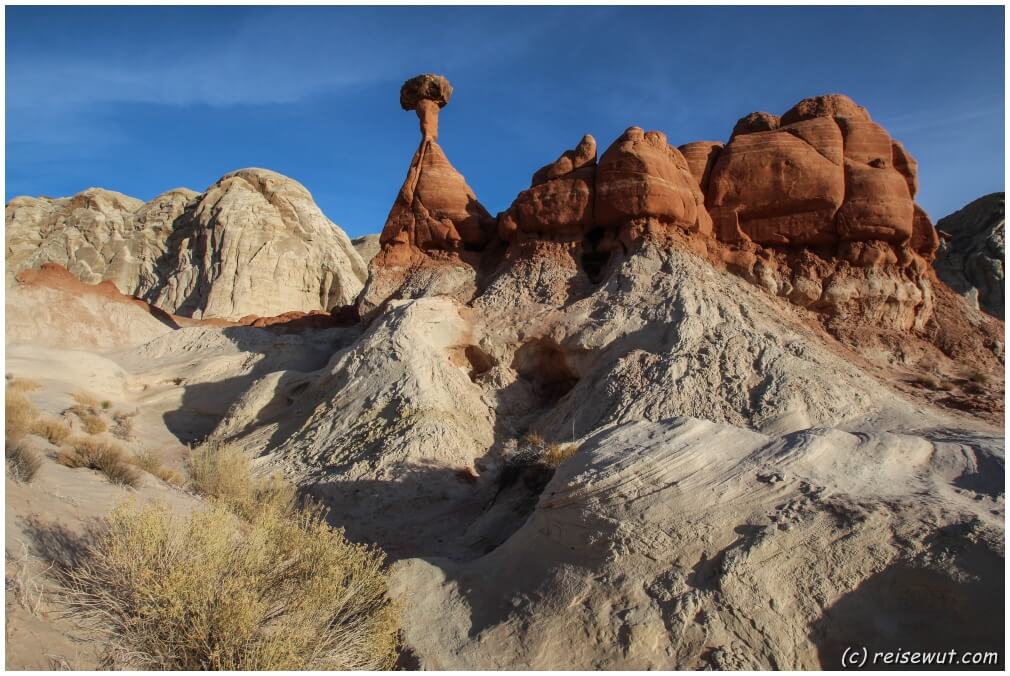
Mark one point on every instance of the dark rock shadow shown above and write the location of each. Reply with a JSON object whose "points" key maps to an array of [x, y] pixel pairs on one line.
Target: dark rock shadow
{"points": [[204, 405], [914, 608], [55, 543]]}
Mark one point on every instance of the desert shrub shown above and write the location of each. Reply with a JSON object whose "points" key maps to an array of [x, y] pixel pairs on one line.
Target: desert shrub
{"points": [[19, 413], [85, 399], [533, 440], [22, 385], [22, 460], [122, 425], [106, 405], [151, 462], [224, 472], [283, 592], [90, 418], [55, 431], [24, 582], [555, 453], [108, 459]]}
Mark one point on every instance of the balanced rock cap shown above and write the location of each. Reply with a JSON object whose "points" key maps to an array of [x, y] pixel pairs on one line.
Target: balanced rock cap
{"points": [[427, 86]]}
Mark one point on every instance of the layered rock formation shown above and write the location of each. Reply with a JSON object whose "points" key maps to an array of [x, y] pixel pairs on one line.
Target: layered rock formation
{"points": [[253, 243], [256, 243], [816, 206], [436, 220], [93, 234], [972, 252]]}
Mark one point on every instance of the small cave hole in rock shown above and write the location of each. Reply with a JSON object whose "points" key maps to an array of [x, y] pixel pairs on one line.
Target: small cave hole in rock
{"points": [[542, 362], [593, 261], [480, 361]]}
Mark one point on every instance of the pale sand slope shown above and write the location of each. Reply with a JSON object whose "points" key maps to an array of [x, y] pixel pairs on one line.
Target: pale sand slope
{"points": [[667, 540], [690, 544]]}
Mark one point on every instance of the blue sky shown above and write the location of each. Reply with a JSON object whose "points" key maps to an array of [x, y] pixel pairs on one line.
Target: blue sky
{"points": [[145, 99]]}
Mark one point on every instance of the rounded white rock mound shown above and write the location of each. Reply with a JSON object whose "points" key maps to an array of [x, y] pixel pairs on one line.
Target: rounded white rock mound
{"points": [[256, 243], [91, 234], [688, 544]]}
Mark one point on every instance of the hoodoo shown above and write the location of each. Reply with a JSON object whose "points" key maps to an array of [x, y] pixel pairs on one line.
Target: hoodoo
{"points": [[436, 218]]}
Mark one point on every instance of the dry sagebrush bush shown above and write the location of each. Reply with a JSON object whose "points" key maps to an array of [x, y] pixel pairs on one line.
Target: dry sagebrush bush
{"points": [[54, 431], [19, 413], [223, 472], [22, 385], [122, 425], [108, 459], [283, 592], [22, 460], [151, 462]]}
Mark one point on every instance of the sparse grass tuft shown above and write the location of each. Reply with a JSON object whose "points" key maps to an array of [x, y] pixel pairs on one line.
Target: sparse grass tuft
{"points": [[19, 414], [22, 385], [283, 592], [22, 460], [150, 462], [223, 472], [556, 453], [25, 585], [51, 429], [533, 439], [90, 418], [85, 399], [108, 459]]}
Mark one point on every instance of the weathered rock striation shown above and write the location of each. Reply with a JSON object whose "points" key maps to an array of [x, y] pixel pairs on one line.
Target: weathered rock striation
{"points": [[256, 243], [253, 243], [436, 220], [972, 252], [93, 234], [816, 206]]}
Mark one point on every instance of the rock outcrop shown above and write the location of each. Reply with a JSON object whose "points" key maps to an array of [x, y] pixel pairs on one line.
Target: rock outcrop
{"points": [[643, 178], [367, 246], [972, 252], [824, 174], [559, 202], [816, 206], [435, 210], [92, 234], [436, 225], [254, 243]]}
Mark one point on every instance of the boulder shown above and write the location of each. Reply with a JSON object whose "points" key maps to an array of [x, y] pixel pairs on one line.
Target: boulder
{"points": [[973, 250], [700, 157], [754, 122], [779, 187], [560, 202], [641, 176]]}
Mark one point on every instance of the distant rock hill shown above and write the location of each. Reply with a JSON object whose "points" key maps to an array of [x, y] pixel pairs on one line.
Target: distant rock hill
{"points": [[254, 243], [973, 250]]}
